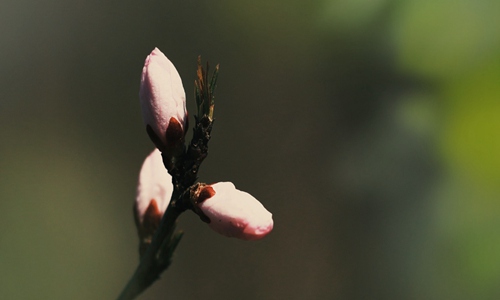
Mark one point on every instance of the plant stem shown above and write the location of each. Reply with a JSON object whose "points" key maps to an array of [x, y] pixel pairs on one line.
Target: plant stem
{"points": [[149, 269], [184, 174]]}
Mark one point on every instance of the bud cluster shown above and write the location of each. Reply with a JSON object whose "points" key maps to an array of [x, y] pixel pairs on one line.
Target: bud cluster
{"points": [[227, 210], [167, 180]]}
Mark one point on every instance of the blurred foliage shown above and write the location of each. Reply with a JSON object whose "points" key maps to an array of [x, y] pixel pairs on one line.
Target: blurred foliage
{"points": [[471, 123], [441, 39], [368, 128]]}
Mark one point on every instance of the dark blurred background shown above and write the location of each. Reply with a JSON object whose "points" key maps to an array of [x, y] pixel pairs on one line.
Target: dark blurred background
{"points": [[368, 128]]}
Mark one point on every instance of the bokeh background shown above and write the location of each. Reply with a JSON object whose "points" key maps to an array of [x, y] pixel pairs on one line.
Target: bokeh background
{"points": [[369, 128]]}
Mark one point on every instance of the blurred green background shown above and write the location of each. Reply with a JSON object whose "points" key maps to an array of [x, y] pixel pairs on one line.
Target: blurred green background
{"points": [[369, 128]]}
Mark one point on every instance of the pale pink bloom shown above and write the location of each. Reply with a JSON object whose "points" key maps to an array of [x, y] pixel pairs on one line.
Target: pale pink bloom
{"points": [[153, 194], [162, 98], [234, 213]]}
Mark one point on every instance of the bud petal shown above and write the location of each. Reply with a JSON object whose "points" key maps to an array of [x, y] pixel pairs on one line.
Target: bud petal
{"points": [[153, 196], [234, 213], [162, 96]]}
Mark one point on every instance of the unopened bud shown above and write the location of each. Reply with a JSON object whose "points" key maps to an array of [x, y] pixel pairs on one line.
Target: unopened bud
{"points": [[234, 213], [163, 101], [153, 196]]}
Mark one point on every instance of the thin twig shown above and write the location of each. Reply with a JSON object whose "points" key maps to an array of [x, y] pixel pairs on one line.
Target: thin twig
{"points": [[147, 271]]}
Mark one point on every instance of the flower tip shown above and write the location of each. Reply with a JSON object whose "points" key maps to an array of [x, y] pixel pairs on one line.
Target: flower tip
{"points": [[155, 56], [258, 232], [157, 52]]}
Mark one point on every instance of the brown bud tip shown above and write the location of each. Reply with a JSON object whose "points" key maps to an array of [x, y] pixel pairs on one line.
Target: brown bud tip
{"points": [[175, 133], [206, 193], [152, 217]]}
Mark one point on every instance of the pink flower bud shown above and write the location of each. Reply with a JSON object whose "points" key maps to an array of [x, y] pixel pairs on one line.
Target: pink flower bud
{"points": [[163, 100], [153, 196], [234, 213]]}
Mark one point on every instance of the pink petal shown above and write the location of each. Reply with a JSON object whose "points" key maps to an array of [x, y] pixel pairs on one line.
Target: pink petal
{"points": [[235, 213], [161, 94]]}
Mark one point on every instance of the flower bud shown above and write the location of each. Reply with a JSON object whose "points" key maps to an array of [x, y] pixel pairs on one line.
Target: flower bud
{"points": [[153, 196], [234, 213], [163, 101]]}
